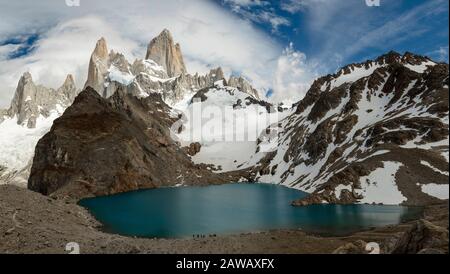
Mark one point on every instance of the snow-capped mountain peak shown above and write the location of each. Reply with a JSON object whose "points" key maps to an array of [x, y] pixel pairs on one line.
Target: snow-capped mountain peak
{"points": [[356, 71], [166, 53]]}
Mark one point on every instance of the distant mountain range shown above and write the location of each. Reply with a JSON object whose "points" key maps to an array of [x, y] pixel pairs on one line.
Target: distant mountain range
{"points": [[374, 132]]}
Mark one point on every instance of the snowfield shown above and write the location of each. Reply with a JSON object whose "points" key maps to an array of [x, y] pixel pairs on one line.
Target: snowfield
{"points": [[228, 135], [380, 188], [121, 77], [425, 163], [18, 141]]}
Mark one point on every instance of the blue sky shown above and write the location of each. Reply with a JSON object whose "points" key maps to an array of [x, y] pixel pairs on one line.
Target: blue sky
{"points": [[335, 31], [23, 45], [279, 46]]}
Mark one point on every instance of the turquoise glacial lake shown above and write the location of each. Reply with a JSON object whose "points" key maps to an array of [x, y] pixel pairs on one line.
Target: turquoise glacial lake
{"points": [[233, 208]]}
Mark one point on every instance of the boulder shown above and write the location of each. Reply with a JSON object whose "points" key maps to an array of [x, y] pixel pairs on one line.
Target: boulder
{"points": [[194, 148], [357, 247]]}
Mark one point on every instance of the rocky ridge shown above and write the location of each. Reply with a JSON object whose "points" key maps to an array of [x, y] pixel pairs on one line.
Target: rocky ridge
{"points": [[375, 132]]}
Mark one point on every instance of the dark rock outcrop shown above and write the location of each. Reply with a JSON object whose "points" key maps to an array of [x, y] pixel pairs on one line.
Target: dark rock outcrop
{"points": [[193, 148]]}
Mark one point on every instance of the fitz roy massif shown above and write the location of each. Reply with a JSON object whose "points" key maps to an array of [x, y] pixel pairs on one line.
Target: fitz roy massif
{"points": [[373, 133]]}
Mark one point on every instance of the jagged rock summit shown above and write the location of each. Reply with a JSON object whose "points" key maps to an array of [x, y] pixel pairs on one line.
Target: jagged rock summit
{"points": [[34, 107], [31, 101], [98, 66], [162, 71], [164, 52], [374, 132], [68, 90]]}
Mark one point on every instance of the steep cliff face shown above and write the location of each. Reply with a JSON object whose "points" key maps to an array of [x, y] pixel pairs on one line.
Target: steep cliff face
{"points": [[105, 146], [98, 66], [167, 54], [375, 132]]}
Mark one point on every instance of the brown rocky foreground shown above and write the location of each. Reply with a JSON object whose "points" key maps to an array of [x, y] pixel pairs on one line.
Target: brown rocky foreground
{"points": [[33, 223]]}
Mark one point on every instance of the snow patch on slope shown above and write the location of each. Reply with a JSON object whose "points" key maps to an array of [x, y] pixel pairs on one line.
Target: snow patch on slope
{"points": [[435, 190], [379, 187], [356, 74], [17, 142], [116, 75], [425, 163], [420, 68]]}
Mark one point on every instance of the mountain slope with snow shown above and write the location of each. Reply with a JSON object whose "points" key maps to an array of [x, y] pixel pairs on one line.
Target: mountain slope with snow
{"points": [[360, 135]]}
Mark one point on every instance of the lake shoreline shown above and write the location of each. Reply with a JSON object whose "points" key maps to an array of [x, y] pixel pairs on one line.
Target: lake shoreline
{"points": [[47, 228]]}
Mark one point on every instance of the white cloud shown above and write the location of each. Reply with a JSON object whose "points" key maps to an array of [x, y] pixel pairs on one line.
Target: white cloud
{"points": [[7, 50], [209, 36], [62, 50], [293, 76], [294, 6], [332, 28], [245, 8], [247, 2], [441, 54]]}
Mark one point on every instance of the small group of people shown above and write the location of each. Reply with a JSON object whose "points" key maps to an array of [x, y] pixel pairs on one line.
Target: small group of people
{"points": [[200, 236]]}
